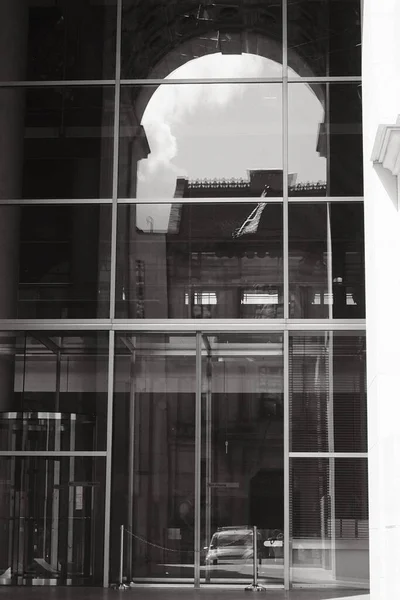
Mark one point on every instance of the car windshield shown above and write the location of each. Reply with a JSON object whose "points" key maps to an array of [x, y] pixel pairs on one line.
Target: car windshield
{"points": [[221, 540]]}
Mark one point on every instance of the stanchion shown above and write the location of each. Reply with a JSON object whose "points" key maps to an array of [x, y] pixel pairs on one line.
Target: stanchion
{"points": [[255, 587], [122, 585]]}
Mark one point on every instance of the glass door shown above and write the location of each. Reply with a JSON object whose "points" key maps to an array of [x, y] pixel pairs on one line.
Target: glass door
{"points": [[198, 457], [242, 457], [154, 457]]}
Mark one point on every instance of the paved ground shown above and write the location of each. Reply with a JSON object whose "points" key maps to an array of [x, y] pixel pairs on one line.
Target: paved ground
{"points": [[164, 593]]}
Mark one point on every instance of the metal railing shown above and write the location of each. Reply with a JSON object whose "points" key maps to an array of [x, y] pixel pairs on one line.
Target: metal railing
{"points": [[253, 587]]}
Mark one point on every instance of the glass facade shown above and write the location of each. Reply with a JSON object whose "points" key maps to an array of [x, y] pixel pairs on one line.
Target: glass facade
{"points": [[182, 296]]}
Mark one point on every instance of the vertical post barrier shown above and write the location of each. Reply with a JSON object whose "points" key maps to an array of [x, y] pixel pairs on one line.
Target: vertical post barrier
{"points": [[121, 586], [255, 587]]}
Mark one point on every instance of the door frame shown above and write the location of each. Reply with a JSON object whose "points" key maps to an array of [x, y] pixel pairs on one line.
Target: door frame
{"points": [[198, 455]]}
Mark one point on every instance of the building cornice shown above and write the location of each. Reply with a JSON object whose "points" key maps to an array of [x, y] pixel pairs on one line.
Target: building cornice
{"points": [[386, 150]]}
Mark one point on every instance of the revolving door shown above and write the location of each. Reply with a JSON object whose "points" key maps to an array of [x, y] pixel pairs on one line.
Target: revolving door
{"points": [[50, 507]]}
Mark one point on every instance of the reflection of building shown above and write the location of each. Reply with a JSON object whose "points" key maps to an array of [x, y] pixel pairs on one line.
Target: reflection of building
{"points": [[258, 180], [246, 241], [181, 380], [250, 283]]}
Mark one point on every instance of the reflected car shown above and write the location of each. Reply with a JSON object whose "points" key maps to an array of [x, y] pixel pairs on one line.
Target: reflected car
{"points": [[230, 544], [274, 544]]}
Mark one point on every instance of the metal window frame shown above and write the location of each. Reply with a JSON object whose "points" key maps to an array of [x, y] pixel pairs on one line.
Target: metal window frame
{"points": [[183, 325], [287, 553], [107, 491], [285, 159], [54, 201], [157, 82], [57, 453], [286, 305], [58, 83], [319, 199], [113, 273], [199, 200], [197, 474], [243, 80], [113, 326], [328, 454]]}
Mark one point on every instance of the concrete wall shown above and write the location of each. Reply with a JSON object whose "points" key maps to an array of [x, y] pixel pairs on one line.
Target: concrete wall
{"points": [[381, 105]]}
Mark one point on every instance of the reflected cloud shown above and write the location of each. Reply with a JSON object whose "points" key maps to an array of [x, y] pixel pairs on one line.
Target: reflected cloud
{"points": [[172, 105], [199, 130]]}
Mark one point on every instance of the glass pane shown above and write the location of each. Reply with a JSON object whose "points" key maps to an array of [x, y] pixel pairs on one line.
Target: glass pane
{"points": [[345, 145], [163, 38], [325, 140], [324, 37], [154, 456], [242, 457], [308, 261], [326, 260], [43, 40], [348, 263], [206, 140], [52, 520], [168, 267], [53, 391], [329, 521], [64, 261], [56, 142], [327, 392]]}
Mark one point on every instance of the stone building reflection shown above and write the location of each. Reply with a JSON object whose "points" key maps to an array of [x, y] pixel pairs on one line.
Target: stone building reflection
{"points": [[225, 260]]}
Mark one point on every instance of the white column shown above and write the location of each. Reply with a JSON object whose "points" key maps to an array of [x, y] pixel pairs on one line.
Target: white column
{"points": [[381, 104]]}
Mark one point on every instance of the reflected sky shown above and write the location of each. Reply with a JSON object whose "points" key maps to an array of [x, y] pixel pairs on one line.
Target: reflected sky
{"points": [[200, 131]]}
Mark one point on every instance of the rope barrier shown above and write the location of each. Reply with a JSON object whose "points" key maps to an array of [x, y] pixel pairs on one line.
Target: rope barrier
{"points": [[254, 587], [141, 539], [145, 541]]}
